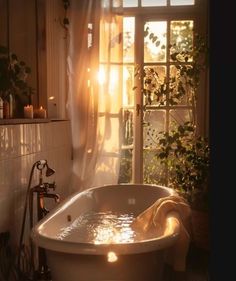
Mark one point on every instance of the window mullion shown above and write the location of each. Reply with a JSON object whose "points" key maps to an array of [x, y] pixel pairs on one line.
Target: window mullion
{"points": [[138, 118], [167, 76]]}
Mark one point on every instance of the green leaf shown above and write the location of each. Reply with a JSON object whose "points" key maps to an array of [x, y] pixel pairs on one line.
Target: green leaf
{"points": [[154, 39], [162, 155], [146, 33], [151, 35]]}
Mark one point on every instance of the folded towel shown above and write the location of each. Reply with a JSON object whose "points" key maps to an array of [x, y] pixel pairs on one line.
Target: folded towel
{"points": [[154, 219]]}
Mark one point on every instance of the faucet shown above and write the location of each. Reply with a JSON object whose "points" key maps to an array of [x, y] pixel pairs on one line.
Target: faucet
{"points": [[55, 196], [42, 191]]}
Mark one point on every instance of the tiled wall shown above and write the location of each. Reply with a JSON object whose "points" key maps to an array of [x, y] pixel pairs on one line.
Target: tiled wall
{"points": [[20, 147]]}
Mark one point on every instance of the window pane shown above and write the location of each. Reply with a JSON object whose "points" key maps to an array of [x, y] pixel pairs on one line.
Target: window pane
{"points": [[105, 3], [128, 84], [153, 3], [155, 41], [125, 173], [181, 38], [130, 3], [181, 2], [180, 116], [180, 90], [117, 3], [154, 90], [128, 133], [154, 121], [128, 39], [111, 40], [153, 171], [110, 85]]}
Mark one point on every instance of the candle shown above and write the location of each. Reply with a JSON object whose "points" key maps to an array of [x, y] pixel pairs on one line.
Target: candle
{"points": [[42, 112], [28, 111]]}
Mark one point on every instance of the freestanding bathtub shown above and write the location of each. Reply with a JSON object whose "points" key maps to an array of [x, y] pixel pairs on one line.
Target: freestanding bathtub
{"points": [[73, 256]]}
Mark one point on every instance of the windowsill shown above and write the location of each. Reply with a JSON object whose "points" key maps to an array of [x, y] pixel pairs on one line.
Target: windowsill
{"points": [[27, 121], [23, 121]]}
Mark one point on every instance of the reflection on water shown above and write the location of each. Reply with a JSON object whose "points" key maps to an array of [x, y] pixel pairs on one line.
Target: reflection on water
{"points": [[101, 228]]}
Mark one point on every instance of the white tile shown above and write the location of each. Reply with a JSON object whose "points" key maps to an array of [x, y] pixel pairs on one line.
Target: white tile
{"points": [[21, 146]]}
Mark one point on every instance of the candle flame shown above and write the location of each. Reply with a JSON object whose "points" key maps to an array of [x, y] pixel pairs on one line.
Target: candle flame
{"points": [[112, 257]]}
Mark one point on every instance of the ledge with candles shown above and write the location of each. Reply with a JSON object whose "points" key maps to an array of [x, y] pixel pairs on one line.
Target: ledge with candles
{"points": [[31, 115], [30, 112]]}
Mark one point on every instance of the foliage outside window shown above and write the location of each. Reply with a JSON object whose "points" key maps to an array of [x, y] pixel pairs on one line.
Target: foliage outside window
{"points": [[181, 150]]}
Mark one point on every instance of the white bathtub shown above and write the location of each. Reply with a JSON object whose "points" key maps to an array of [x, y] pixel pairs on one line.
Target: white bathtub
{"points": [[72, 259]]}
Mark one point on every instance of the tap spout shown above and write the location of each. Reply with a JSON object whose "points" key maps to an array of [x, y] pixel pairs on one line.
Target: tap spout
{"points": [[55, 196]]}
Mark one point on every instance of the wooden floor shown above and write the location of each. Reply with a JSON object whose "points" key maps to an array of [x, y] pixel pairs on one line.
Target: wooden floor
{"points": [[197, 267]]}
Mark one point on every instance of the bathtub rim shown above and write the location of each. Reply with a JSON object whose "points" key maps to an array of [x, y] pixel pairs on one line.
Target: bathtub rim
{"points": [[64, 246]]}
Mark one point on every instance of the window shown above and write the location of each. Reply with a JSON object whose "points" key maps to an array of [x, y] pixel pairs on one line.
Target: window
{"points": [[149, 29]]}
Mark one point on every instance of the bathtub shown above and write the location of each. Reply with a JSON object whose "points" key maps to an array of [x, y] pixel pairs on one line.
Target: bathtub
{"points": [[73, 258]]}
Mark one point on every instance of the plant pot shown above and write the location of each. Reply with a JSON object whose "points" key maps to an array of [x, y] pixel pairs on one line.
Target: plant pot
{"points": [[200, 229]]}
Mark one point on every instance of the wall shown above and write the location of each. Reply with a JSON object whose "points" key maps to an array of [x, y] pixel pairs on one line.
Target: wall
{"points": [[56, 47], [33, 30], [18, 32], [20, 146]]}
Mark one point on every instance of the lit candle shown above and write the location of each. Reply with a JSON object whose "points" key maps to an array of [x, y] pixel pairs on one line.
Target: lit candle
{"points": [[42, 112], [28, 111]]}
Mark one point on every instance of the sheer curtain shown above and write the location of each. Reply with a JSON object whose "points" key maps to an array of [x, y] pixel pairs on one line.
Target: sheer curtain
{"points": [[95, 92]]}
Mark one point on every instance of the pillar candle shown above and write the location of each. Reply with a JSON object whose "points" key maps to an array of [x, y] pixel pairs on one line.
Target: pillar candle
{"points": [[28, 111], [41, 113]]}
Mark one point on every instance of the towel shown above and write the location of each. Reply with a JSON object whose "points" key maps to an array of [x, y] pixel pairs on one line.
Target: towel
{"points": [[155, 219]]}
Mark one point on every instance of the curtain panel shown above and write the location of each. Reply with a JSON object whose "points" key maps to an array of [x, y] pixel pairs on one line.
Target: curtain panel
{"points": [[95, 92]]}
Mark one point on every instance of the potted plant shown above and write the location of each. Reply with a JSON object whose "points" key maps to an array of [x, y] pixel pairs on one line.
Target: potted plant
{"points": [[13, 81]]}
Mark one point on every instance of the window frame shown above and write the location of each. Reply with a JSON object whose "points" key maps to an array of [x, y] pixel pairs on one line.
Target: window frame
{"points": [[199, 14]]}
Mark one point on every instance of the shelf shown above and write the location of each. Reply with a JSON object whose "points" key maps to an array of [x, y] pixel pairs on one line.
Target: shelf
{"points": [[23, 121]]}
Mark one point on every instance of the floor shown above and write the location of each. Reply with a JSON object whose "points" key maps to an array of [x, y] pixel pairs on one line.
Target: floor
{"points": [[197, 267]]}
